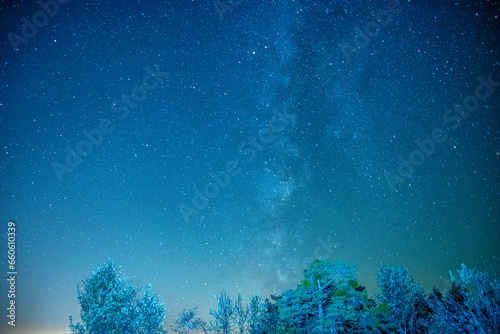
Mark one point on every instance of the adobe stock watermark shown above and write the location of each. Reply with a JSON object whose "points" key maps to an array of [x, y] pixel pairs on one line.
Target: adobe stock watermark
{"points": [[11, 273], [248, 150], [121, 110], [40, 19], [453, 119], [371, 29], [221, 7]]}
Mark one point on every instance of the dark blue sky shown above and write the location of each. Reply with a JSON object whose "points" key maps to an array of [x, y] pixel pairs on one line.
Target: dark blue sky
{"points": [[205, 151]]}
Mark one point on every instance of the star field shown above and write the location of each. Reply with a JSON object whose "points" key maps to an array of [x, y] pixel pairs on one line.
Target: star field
{"points": [[206, 150]]}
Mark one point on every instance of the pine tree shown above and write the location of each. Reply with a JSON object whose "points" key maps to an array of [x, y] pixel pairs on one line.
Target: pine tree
{"points": [[303, 309]]}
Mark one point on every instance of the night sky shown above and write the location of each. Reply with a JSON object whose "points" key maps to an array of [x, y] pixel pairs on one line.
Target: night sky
{"points": [[205, 146]]}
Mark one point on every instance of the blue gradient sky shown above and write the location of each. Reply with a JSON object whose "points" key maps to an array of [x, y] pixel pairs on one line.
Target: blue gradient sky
{"points": [[302, 131]]}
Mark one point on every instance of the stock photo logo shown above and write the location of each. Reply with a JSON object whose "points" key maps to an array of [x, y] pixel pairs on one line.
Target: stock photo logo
{"points": [[453, 119], [121, 109], [39, 19], [324, 250], [371, 29], [222, 7], [248, 151], [250, 167]]}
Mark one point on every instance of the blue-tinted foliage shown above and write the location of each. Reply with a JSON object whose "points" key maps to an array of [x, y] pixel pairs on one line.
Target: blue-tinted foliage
{"points": [[329, 299], [189, 320], [110, 304], [471, 306], [223, 315], [401, 294]]}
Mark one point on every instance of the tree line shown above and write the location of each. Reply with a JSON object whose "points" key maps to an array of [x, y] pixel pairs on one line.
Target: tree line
{"points": [[329, 299]]}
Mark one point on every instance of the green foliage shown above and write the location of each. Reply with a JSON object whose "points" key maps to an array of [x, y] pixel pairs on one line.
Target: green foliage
{"points": [[325, 271], [348, 307], [341, 293], [306, 284], [381, 309], [353, 283], [317, 303]]}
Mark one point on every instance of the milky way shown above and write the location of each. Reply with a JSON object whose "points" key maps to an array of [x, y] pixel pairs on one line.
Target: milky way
{"points": [[207, 148]]}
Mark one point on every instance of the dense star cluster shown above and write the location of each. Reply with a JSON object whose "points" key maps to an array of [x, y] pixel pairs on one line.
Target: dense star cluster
{"points": [[216, 145]]}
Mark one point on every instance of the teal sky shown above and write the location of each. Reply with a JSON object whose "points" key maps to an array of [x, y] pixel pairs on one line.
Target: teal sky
{"points": [[205, 150]]}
